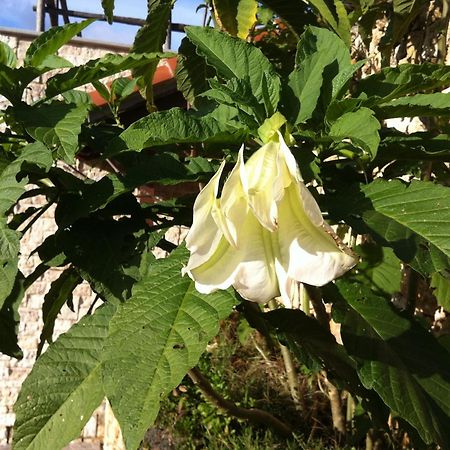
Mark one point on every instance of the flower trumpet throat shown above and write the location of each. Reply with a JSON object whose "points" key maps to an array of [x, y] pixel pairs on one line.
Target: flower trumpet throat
{"points": [[265, 233]]}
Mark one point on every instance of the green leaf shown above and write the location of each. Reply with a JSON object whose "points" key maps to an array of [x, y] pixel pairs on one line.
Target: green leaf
{"points": [[108, 8], [380, 267], [50, 41], [9, 319], [360, 127], [436, 104], [441, 285], [422, 207], [335, 15], [395, 82], [55, 62], [404, 13], [7, 55], [155, 338], [11, 189], [321, 59], [398, 227], [296, 13], [404, 363], [64, 387], [225, 12], [165, 169], [237, 93], [97, 69], [57, 125], [78, 98], [60, 292], [414, 147], [122, 87], [174, 127], [150, 38], [9, 260], [246, 17], [234, 58], [14, 81], [106, 253], [192, 73]]}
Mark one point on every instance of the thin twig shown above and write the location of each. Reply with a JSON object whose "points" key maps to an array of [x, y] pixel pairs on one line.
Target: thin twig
{"points": [[252, 414]]}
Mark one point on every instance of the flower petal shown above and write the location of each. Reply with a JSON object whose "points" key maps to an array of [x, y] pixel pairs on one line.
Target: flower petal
{"points": [[249, 267], [204, 235], [233, 202], [263, 184], [314, 256]]}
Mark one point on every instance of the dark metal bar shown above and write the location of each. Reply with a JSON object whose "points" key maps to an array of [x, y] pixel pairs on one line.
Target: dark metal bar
{"points": [[51, 8], [64, 8], [119, 19]]}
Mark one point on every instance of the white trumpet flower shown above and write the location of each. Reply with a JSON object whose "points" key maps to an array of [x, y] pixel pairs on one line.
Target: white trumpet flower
{"points": [[265, 233]]}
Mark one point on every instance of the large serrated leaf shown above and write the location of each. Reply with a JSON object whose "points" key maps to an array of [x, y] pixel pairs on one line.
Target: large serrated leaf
{"points": [[59, 293], [395, 82], [97, 69], [106, 252], [399, 359], [334, 13], [380, 267], [192, 72], [10, 188], [57, 125], [155, 338], [400, 216], [50, 41], [422, 207], [436, 104], [234, 58], [174, 126], [64, 387], [150, 38], [360, 127], [320, 60]]}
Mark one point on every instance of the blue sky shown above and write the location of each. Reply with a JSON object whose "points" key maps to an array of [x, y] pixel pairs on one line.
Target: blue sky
{"points": [[19, 14]]}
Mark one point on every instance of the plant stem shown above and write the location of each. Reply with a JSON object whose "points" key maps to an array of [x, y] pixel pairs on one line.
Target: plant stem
{"points": [[289, 366], [252, 414], [336, 408], [291, 374]]}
